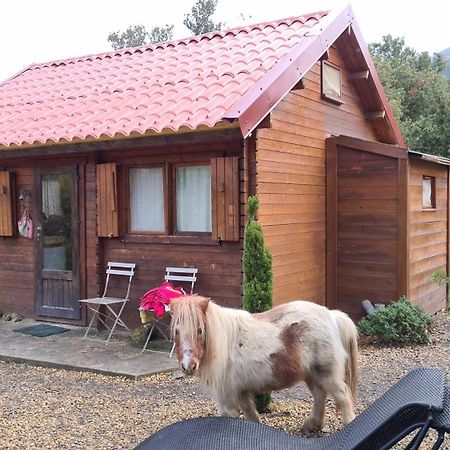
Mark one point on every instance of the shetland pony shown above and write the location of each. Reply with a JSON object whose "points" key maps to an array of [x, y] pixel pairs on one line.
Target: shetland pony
{"points": [[237, 354]]}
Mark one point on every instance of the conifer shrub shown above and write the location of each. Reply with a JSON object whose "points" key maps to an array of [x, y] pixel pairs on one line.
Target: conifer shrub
{"points": [[258, 277], [400, 323]]}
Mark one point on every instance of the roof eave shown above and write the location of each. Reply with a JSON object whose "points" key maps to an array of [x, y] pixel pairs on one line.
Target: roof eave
{"points": [[262, 98]]}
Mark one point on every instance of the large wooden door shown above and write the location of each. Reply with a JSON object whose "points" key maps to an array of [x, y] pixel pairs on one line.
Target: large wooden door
{"points": [[57, 243], [366, 223]]}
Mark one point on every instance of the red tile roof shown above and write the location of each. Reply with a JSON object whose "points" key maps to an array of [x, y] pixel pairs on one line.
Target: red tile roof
{"points": [[198, 82], [174, 85]]}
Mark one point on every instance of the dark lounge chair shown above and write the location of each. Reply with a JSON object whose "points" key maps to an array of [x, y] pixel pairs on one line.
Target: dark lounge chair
{"points": [[420, 401]]}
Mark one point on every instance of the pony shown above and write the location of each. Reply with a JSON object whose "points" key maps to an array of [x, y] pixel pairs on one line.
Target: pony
{"points": [[237, 354]]}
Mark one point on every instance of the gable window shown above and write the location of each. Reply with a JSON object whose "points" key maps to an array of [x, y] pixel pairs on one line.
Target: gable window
{"points": [[331, 82], [193, 203], [428, 192], [147, 199]]}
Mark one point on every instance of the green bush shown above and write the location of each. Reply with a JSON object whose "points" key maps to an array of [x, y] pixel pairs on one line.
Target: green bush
{"points": [[399, 323], [257, 264], [258, 277]]}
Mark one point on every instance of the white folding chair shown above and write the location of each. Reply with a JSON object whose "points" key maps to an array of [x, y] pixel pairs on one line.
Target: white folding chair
{"points": [[94, 304], [186, 275]]}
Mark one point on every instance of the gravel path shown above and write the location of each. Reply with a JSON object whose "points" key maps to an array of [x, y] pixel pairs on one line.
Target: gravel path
{"points": [[55, 409]]}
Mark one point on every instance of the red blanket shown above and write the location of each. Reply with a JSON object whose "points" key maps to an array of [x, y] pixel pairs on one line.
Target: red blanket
{"points": [[157, 298]]}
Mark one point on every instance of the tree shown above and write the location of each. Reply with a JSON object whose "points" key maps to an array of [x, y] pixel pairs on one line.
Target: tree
{"points": [[418, 93], [199, 19], [137, 35], [258, 276]]}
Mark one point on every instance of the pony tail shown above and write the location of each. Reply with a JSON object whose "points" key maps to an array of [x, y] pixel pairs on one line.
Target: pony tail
{"points": [[349, 338]]}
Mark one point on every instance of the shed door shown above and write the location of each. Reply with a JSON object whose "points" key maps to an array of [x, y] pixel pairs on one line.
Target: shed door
{"points": [[56, 237], [366, 223]]}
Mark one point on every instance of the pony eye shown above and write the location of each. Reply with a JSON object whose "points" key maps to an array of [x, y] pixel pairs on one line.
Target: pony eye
{"points": [[199, 331], [176, 332]]}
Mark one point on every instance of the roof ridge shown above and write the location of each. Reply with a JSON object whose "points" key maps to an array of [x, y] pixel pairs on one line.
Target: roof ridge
{"points": [[175, 42]]}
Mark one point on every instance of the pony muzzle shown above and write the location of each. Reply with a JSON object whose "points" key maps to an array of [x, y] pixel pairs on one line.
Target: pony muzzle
{"points": [[189, 365]]}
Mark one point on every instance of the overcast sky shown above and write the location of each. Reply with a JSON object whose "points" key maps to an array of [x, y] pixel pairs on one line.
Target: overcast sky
{"points": [[33, 31]]}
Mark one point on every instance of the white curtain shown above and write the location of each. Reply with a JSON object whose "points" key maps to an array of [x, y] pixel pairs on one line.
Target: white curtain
{"points": [[194, 198], [427, 193], [147, 199], [331, 81], [51, 196]]}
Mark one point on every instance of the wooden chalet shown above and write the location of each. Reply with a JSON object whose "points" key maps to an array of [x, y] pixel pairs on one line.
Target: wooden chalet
{"points": [[148, 155]]}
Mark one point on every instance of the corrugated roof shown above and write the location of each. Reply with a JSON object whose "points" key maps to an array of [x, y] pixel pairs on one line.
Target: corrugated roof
{"points": [[177, 85]]}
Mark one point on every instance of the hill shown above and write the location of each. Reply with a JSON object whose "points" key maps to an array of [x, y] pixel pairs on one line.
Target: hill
{"points": [[446, 54]]}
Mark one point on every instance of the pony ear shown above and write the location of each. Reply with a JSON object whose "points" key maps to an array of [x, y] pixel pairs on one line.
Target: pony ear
{"points": [[203, 303]]}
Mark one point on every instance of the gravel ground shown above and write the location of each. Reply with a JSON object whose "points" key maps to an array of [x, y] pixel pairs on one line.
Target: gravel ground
{"points": [[55, 409]]}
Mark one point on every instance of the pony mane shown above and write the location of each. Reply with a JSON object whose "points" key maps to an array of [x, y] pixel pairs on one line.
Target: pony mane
{"points": [[188, 313], [221, 326]]}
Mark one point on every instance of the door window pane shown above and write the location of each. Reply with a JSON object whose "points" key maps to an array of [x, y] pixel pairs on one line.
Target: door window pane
{"points": [[57, 221], [193, 191], [147, 199]]}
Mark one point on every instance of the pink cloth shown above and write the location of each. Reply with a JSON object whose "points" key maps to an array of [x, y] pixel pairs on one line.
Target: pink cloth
{"points": [[157, 298]]}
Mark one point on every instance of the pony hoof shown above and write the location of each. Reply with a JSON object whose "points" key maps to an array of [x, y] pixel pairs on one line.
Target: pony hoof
{"points": [[310, 427]]}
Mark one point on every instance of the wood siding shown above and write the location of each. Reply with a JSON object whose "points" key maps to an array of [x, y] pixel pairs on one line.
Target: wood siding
{"points": [[428, 236], [17, 258], [291, 181], [367, 229], [219, 264]]}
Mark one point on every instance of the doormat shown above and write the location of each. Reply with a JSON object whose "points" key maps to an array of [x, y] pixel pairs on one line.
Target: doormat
{"points": [[42, 330]]}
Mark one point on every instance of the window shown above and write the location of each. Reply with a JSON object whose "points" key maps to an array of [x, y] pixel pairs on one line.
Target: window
{"points": [[170, 201], [193, 192], [186, 208], [147, 199], [428, 192], [331, 82]]}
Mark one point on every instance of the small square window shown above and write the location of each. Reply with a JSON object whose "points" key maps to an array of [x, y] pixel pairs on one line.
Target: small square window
{"points": [[428, 192], [331, 82]]}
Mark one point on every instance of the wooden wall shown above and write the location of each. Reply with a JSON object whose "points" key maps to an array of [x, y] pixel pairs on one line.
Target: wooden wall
{"points": [[290, 158], [428, 235], [17, 257], [220, 267]]}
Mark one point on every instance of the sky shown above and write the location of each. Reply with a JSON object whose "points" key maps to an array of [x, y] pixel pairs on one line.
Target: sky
{"points": [[34, 31]]}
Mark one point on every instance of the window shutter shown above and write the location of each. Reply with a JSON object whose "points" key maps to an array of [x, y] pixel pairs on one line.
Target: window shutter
{"points": [[225, 198], [6, 210], [107, 217]]}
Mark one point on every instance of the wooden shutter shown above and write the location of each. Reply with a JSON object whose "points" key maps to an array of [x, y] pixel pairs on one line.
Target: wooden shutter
{"points": [[6, 210], [107, 217], [225, 198]]}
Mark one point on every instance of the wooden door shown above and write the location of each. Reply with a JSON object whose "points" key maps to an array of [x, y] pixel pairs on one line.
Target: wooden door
{"points": [[57, 243], [366, 223]]}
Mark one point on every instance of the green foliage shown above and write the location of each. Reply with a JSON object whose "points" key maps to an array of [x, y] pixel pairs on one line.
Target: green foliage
{"points": [[139, 335], [262, 402], [257, 263], [399, 323], [440, 277], [199, 19], [418, 93], [258, 276], [137, 35]]}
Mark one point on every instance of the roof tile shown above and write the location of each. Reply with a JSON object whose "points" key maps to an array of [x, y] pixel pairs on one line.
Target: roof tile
{"points": [[172, 85]]}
